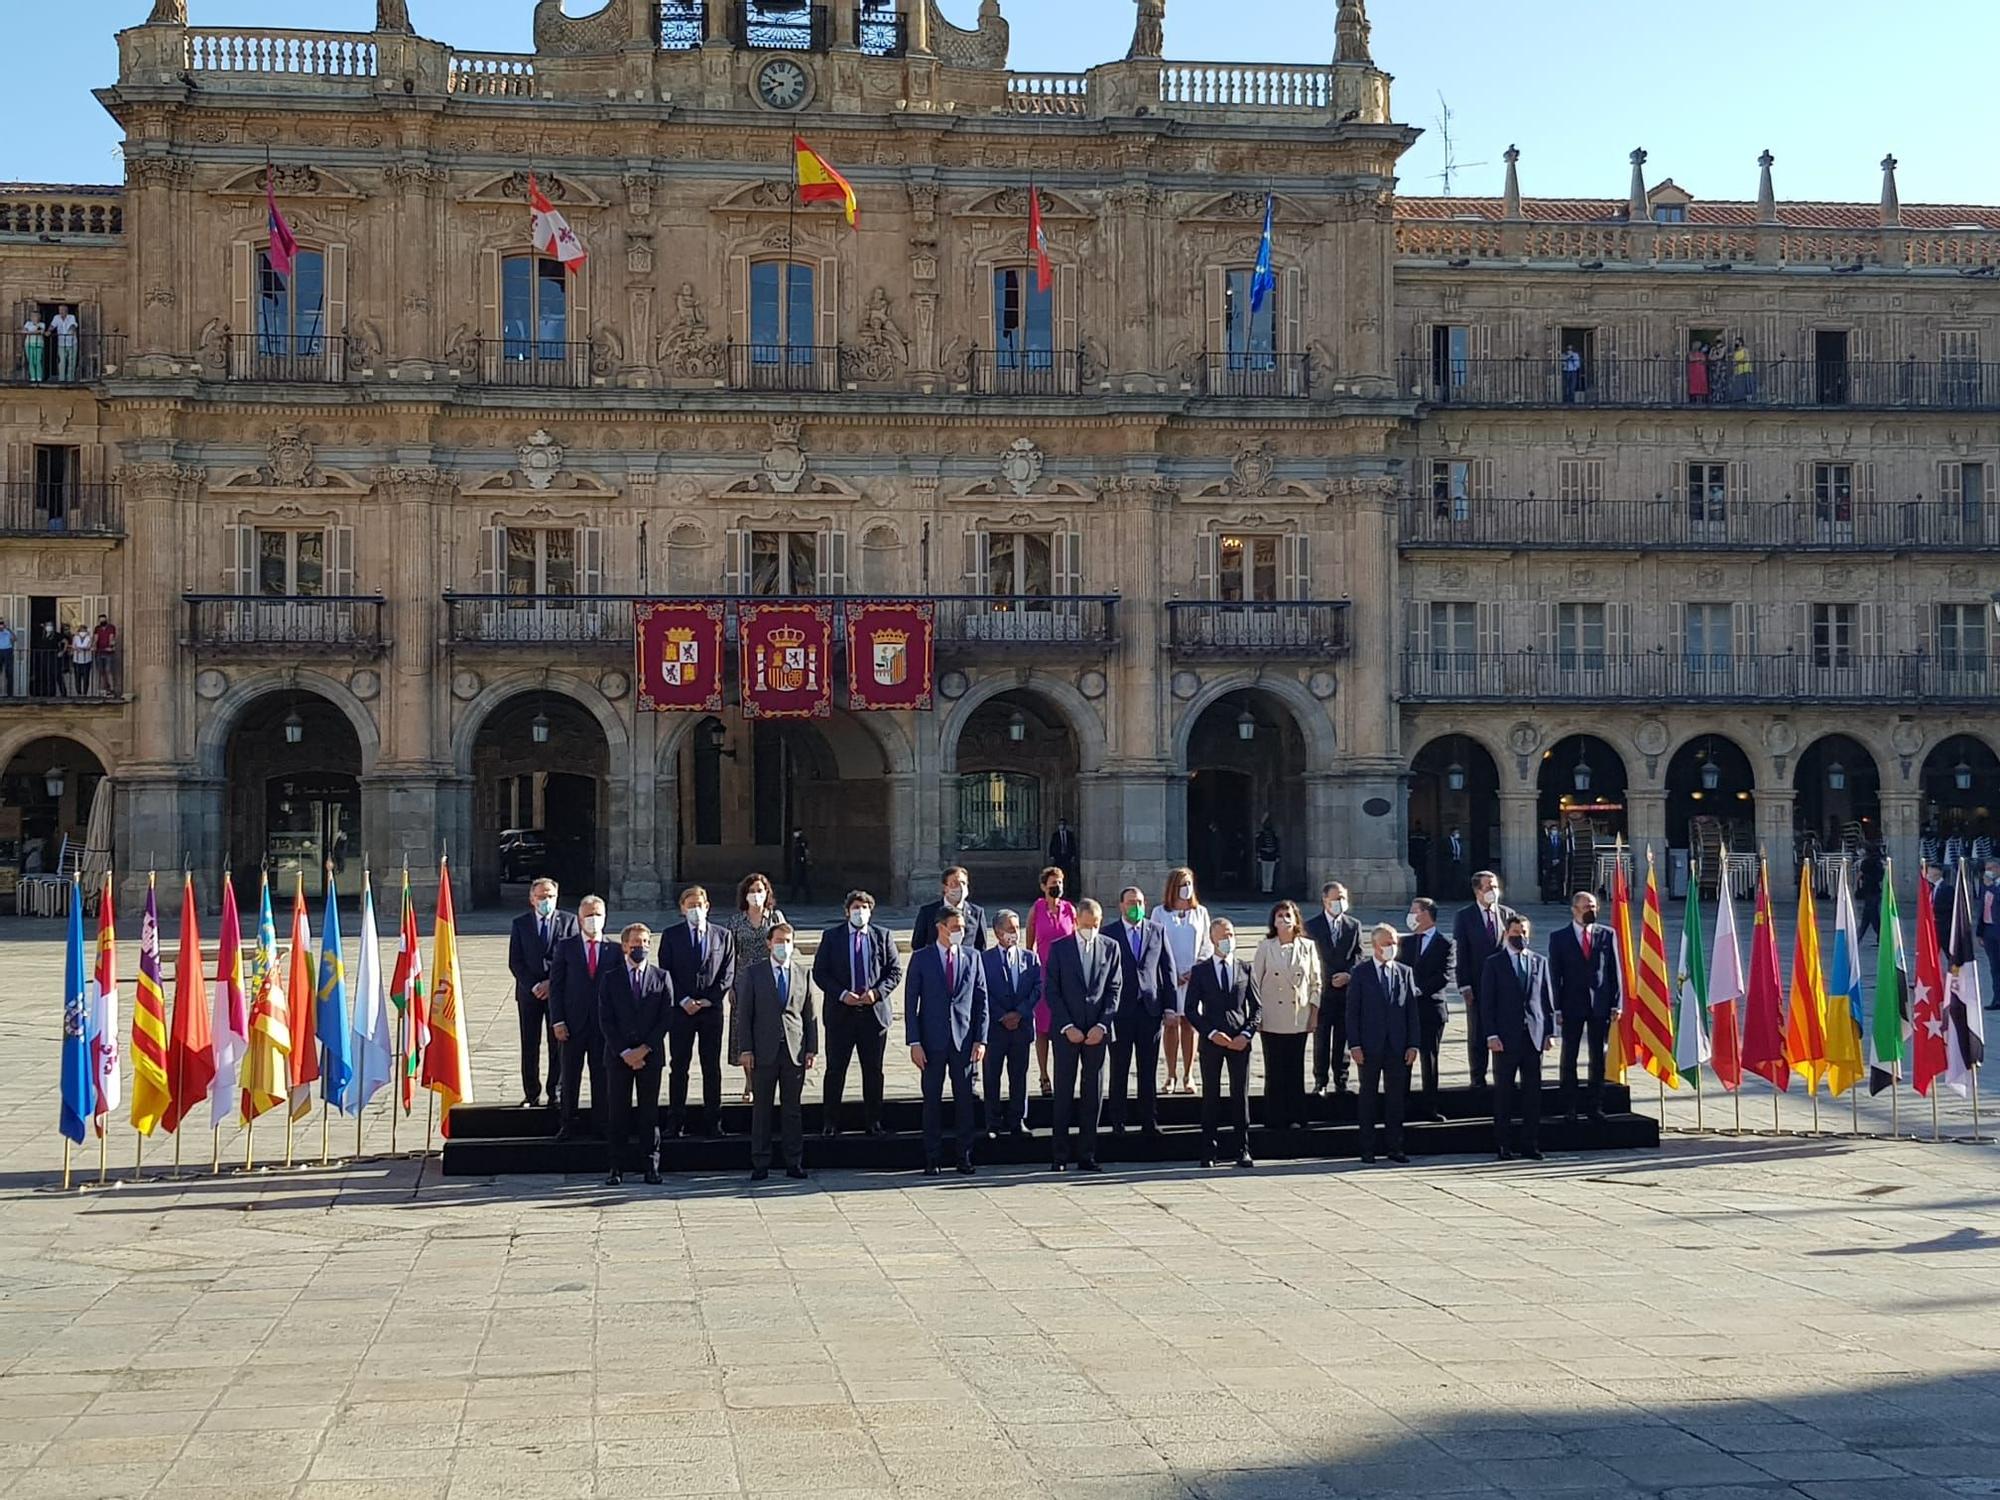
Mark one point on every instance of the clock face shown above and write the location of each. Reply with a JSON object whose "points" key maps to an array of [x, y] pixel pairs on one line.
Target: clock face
{"points": [[781, 83]]}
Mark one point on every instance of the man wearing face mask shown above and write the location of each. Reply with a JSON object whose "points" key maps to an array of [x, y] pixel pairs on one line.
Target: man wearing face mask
{"points": [[774, 1035], [701, 957], [1382, 1033], [575, 977], [1986, 922], [1338, 938], [1520, 1026], [531, 949], [857, 969], [944, 1026], [1428, 955], [633, 1006], [1085, 985], [1223, 1009], [1589, 993], [1476, 936], [1013, 985], [1146, 993], [956, 896]]}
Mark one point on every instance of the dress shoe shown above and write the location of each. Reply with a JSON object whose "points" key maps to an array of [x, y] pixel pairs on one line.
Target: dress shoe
{"points": [[992, 1135], [931, 1170], [878, 1128], [1532, 1155], [533, 1101], [1245, 1160], [615, 1179], [1058, 1166], [797, 1174], [1089, 1166], [564, 1133], [1208, 1161], [716, 1132], [1399, 1158], [652, 1177], [1504, 1155], [760, 1174], [966, 1169], [1118, 1128], [1367, 1161], [828, 1132]]}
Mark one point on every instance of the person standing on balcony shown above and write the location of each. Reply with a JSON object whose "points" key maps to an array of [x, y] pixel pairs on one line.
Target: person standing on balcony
{"points": [[1572, 372], [82, 647], [104, 642], [68, 340], [6, 660], [1698, 374], [47, 676], [35, 345], [1267, 858], [1743, 382]]}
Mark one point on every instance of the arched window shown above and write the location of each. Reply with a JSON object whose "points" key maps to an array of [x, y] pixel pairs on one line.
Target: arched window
{"points": [[999, 811], [291, 310], [534, 308]]}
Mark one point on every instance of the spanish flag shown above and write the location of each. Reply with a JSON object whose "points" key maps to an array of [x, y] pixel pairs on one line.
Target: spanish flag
{"points": [[448, 1059], [819, 183]]}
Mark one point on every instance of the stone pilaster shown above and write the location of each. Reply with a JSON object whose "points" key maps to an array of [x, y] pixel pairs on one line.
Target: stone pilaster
{"points": [[1519, 841], [1902, 832]]}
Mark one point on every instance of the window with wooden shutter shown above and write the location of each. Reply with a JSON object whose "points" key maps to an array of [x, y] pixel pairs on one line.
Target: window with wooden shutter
{"points": [[1292, 283], [1218, 312], [1205, 575], [1487, 618], [1416, 635], [1297, 582], [17, 621], [590, 579], [739, 299], [491, 328], [828, 292], [1068, 319], [1069, 562], [735, 562], [242, 307], [977, 580], [336, 311], [832, 561]]}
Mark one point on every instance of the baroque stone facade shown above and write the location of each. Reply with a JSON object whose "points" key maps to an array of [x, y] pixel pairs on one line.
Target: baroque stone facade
{"points": [[373, 531]]}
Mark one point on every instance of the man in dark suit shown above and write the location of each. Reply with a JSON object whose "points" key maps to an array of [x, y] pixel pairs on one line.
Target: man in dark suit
{"points": [[1338, 938], [1382, 1034], [1085, 984], [701, 957], [634, 1002], [575, 975], [857, 969], [1062, 851], [1427, 953], [1520, 1019], [1146, 992], [774, 1034], [944, 1024], [531, 947], [1475, 937], [957, 894], [1013, 985], [1222, 1007], [1589, 992]]}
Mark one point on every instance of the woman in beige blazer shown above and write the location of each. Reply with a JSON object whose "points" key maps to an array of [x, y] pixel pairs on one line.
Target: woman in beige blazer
{"points": [[1286, 975]]}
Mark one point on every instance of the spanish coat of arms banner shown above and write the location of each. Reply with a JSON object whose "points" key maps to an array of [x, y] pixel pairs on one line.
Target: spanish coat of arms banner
{"points": [[787, 656], [680, 657], [889, 655]]}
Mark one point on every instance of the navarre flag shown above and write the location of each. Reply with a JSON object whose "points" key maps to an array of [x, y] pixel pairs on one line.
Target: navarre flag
{"points": [[552, 235], [1764, 1020], [372, 1052], [1927, 1049], [1889, 1015], [267, 1071], [79, 1077], [302, 1007], [104, 1010], [1725, 990], [406, 989], [1650, 1004], [1965, 1024], [1038, 241], [191, 1049], [1621, 1049], [448, 1058], [151, 1096], [1691, 1017], [1805, 1034], [335, 1066], [283, 252], [229, 1016], [1264, 279], [1841, 1017], [819, 183]]}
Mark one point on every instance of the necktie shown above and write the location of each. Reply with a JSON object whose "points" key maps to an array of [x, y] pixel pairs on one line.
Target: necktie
{"points": [[545, 932], [1136, 940], [1222, 972], [1586, 945], [784, 986], [1013, 966], [858, 987], [1534, 1005], [950, 970], [1089, 952], [590, 958]]}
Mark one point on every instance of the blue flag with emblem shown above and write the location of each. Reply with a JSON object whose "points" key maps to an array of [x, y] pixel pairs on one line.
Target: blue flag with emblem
{"points": [[336, 1065], [79, 1074], [1264, 280]]}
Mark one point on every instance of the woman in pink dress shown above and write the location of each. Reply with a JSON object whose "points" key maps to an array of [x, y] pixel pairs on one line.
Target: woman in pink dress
{"points": [[1050, 920]]}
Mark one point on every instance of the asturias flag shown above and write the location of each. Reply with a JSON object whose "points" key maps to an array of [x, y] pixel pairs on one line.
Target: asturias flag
{"points": [[151, 1095], [335, 1066], [79, 1077], [819, 183]]}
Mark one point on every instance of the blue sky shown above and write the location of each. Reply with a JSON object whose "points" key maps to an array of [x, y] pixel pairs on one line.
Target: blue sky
{"points": [[1829, 86]]}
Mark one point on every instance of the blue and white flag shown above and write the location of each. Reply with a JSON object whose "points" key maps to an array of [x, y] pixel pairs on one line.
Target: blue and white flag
{"points": [[1264, 280], [336, 1066], [79, 1072], [373, 1049]]}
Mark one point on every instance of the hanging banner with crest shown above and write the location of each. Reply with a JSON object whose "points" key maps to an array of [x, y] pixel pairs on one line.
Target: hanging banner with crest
{"points": [[889, 655], [787, 660], [680, 657]]}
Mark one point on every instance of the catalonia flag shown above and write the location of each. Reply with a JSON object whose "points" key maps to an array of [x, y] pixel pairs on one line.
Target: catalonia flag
{"points": [[1650, 1003], [819, 183]]}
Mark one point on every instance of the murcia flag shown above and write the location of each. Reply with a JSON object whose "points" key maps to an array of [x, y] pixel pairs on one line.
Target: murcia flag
{"points": [[553, 236]]}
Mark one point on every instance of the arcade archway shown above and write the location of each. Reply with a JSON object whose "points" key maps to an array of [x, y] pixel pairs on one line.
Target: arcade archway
{"points": [[1837, 805], [1018, 762], [1961, 789], [540, 769], [47, 792], [1711, 792], [292, 768], [1454, 821], [1580, 813], [1246, 761]]}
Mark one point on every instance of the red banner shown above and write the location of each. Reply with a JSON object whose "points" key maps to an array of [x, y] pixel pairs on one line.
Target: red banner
{"points": [[680, 657], [889, 655], [787, 660]]}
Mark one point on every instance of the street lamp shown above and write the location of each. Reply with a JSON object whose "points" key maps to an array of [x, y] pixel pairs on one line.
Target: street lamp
{"points": [[1581, 776], [1961, 776], [1454, 777], [1711, 773], [53, 783], [1836, 776], [295, 728], [538, 727], [1017, 726], [1246, 727]]}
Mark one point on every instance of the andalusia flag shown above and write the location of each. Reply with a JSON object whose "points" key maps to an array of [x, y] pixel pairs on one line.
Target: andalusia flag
{"points": [[1805, 1034], [1691, 1020], [819, 183], [1889, 1019], [1648, 1002], [151, 1097], [448, 1059]]}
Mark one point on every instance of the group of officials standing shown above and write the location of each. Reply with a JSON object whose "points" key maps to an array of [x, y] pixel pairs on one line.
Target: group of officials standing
{"points": [[1095, 996]]}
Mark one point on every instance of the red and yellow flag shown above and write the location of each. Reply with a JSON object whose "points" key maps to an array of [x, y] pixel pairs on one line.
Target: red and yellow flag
{"points": [[1650, 1002], [1805, 1032], [266, 1076], [191, 1049], [151, 1095], [301, 1013], [448, 1058], [819, 183], [1622, 1050]]}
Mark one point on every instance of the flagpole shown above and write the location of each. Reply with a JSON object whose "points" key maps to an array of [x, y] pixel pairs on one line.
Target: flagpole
{"points": [[289, 1122], [102, 1169], [1697, 1094], [180, 1056], [1854, 1103], [325, 1156], [249, 1146], [1936, 1133], [66, 1151], [215, 1151], [430, 1112], [138, 1156]]}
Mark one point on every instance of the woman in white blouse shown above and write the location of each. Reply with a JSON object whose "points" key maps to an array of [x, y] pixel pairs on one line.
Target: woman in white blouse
{"points": [[1184, 919], [1286, 975]]}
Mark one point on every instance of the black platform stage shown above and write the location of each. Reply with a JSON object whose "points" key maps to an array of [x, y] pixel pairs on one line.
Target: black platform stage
{"points": [[490, 1141]]}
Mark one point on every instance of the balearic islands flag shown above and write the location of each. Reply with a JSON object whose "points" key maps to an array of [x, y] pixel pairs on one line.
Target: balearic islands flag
{"points": [[104, 1010], [230, 1021], [552, 235]]}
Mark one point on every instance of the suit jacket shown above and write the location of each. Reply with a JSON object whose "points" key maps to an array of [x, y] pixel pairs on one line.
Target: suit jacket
{"points": [[1062, 847], [1002, 997], [634, 1015], [1146, 988], [777, 1031], [1433, 971], [945, 1019], [978, 936], [527, 960], [1472, 944], [882, 971], [1071, 1001], [573, 989], [1339, 944], [1505, 1002], [705, 975], [1232, 1010], [1584, 988], [1382, 1022]]}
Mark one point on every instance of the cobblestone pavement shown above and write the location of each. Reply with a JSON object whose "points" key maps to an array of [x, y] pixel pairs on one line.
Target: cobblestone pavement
{"points": [[1730, 1316]]}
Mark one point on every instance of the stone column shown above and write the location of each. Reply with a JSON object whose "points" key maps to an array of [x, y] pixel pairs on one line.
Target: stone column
{"points": [[1519, 841], [1774, 836], [846, 30], [717, 18], [904, 851], [1646, 823], [401, 798], [152, 232], [932, 807], [1368, 687], [1902, 832], [920, 26], [642, 887]]}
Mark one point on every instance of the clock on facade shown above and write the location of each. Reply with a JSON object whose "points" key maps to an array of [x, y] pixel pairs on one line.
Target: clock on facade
{"points": [[782, 83]]}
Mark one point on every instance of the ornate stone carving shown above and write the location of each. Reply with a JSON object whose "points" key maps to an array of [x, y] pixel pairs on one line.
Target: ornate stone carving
{"points": [[1323, 685], [369, 344], [687, 349], [461, 350], [958, 48], [365, 684], [292, 463], [413, 476], [1905, 737], [1524, 738], [168, 13], [784, 467], [1251, 470], [1780, 738], [639, 194], [297, 181], [465, 686], [1148, 30], [210, 684], [607, 351], [599, 35], [161, 296], [1021, 465], [212, 349], [393, 15], [1091, 683], [1650, 737], [1185, 685], [541, 459], [881, 349]]}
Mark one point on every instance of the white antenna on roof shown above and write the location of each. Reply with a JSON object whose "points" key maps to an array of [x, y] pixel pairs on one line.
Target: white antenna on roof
{"points": [[1452, 165]]}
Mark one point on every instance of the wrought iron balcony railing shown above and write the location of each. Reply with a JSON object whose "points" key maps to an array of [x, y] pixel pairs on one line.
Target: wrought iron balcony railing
{"points": [[1781, 384], [1257, 377], [1295, 629], [539, 619], [982, 624], [1837, 524], [289, 358], [31, 507], [1696, 677], [880, 31], [683, 25], [76, 361], [283, 624], [780, 27], [534, 364], [784, 367], [1025, 372]]}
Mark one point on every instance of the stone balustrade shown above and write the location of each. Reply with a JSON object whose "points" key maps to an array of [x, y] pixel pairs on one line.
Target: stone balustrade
{"points": [[1481, 239], [492, 75], [1246, 85], [64, 213], [307, 54]]}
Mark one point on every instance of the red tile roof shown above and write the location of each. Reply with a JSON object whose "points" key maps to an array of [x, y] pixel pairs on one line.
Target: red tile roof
{"points": [[1932, 216]]}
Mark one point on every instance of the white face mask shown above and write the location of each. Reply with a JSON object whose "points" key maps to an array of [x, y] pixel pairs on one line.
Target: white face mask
{"points": [[954, 895], [1086, 934], [1383, 953], [1415, 923], [755, 900], [1186, 891], [592, 925], [953, 939], [1490, 896], [696, 915], [781, 953], [1224, 947], [1336, 907], [545, 906], [858, 918]]}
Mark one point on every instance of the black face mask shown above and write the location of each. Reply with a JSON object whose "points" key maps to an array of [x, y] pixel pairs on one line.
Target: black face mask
{"points": [[1517, 943], [636, 955]]}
